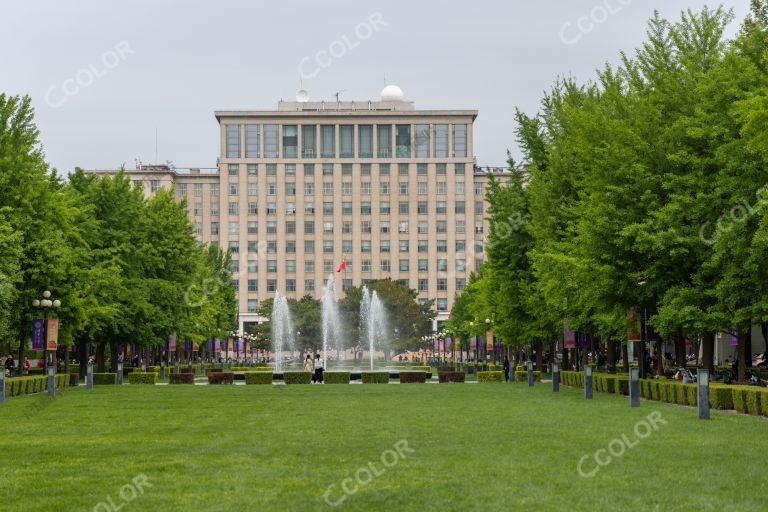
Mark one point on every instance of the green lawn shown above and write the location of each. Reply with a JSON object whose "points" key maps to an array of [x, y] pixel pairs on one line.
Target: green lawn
{"points": [[281, 448]]}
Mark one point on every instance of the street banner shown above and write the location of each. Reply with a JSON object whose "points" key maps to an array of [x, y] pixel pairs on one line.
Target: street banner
{"points": [[37, 334], [457, 345], [172, 342], [473, 343], [217, 344], [569, 336], [735, 337], [633, 322], [195, 347], [210, 345], [582, 339], [248, 347], [187, 345], [489, 340], [53, 334], [437, 345], [229, 345]]}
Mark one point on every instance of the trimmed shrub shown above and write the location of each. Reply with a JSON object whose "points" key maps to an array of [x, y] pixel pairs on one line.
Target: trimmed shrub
{"points": [[764, 403], [104, 378], [720, 397], [422, 368], [622, 385], [451, 376], [258, 377], [375, 377], [490, 376], [680, 391], [413, 377], [221, 378], [690, 394], [336, 377], [523, 376], [753, 397], [74, 368], [182, 378], [645, 389], [297, 377], [142, 378], [655, 392]]}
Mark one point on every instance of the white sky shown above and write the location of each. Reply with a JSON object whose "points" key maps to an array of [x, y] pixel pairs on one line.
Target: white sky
{"points": [[183, 60]]}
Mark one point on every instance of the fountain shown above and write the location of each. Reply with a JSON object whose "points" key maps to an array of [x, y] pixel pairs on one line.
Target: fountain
{"points": [[373, 324], [282, 329], [331, 320]]}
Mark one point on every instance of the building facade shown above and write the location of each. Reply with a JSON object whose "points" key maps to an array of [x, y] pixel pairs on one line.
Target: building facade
{"points": [[392, 191]]}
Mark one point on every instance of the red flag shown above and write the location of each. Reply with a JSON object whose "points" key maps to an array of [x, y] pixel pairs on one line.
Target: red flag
{"points": [[343, 264]]}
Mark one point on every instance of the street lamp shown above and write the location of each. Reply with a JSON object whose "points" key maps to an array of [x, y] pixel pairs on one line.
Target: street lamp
{"points": [[46, 304], [493, 348]]}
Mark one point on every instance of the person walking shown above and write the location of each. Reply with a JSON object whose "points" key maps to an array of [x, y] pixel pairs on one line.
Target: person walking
{"points": [[506, 368], [308, 365]]}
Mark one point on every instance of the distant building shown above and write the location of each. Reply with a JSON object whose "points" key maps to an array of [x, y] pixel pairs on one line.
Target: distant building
{"points": [[392, 190]]}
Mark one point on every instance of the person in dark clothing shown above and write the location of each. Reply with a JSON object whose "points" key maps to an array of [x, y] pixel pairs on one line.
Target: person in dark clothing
{"points": [[506, 368], [9, 365]]}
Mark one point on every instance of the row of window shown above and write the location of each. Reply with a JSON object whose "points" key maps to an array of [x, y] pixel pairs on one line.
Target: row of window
{"points": [[365, 266], [422, 169], [419, 140], [329, 188], [329, 207], [403, 227], [270, 246]]}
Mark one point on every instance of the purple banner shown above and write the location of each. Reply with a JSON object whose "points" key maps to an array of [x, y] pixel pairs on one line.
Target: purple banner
{"points": [[37, 334], [569, 337], [210, 345], [437, 345], [581, 337], [473, 343], [188, 345], [735, 338], [217, 344]]}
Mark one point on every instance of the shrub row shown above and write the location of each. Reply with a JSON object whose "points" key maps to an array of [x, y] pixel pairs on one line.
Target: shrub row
{"points": [[297, 377], [451, 376], [15, 386], [375, 377], [258, 377], [101, 379], [336, 377], [142, 378], [220, 377], [422, 368], [522, 376], [490, 376], [413, 377], [182, 378]]}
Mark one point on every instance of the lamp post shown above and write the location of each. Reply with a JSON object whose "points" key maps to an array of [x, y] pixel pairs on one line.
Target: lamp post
{"points": [[485, 342], [477, 347], [46, 304]]}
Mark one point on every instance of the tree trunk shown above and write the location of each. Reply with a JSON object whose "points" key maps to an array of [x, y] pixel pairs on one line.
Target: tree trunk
{"points": [[113, 357], [625, 356], [611, 356], [538, 347], [100, 366], [708, 350], [680, 349], [565, 358], [748, 345], [82, 357], [742, 354], [21, 356]]}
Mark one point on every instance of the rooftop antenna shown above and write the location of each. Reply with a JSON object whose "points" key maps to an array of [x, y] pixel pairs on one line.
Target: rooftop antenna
{"points": [[337, 94], [155, 143]]}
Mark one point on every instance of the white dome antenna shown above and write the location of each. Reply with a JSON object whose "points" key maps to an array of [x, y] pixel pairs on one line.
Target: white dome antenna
{"points": [[302, 96], [392, 93]]}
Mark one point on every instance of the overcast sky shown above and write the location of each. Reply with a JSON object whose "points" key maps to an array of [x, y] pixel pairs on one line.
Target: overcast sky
{"points": [[105, 75]]}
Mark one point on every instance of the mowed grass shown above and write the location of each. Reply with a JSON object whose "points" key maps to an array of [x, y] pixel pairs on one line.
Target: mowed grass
{"points": [[282, 448]]}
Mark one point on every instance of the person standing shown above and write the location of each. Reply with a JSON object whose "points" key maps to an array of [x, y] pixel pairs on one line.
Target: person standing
{"points": [[308, 366], [9, 366], [26, 366], [506, 368], [318, 369]]}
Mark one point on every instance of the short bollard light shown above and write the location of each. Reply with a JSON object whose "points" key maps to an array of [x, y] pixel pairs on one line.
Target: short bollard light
{"points": [[162, 369], [51, 380], [120, 373], [2, 385], [702, 393], [530, 373], [588, 382], [143, 367], [89, 378], [555, 378], [176, 367], [189, 367], [634, 386]]}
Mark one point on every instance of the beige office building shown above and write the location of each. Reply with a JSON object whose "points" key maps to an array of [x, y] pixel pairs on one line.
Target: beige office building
{"points": [[391, 189]]}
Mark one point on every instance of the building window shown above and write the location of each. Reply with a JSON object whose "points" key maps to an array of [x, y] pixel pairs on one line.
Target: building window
{"points": [[441, 188], [403, 245], [234, 228], [421, 207], [404, 265], [198, 209], [271, 285], [459, 140], [309, 227], [346, 208], [479, 228], [346, 246], [198, 228], [423, 245], [253, 305], [365, 226], [309, 188], [253, 189], [346, 226], [365, 169], [198, 190], [403, 141], [233, 141], [365, 140], [327, 266], [384, 141], [365, 246], [384, 246], [253, 208], [328, 140], [423, 285], [442, 246], [460, 207], [182, 189], [290, 188], [290, 266], [403, 187], [346, 141], [459, 169], [271, 227], [271, 208], [441, 207], [290, 141], [365, 188], [479, 207], [365, 207], [366, 265], [290, 285], [384, 226], [253, 247], [402, 169], [290, 246], [253, 266], [421, 140], [441, 169], [461, 283], [461, 265], [384, 207], [423, 227], [328, 208], [214, 208], [271, 169], [233, 208], [290, 169], [328, 188], [402, 227], [309, 246], [252, 141], [309, 169], [442, 304], [271, 266], [253, 170], [478, 189], [441, 141], [309, 285], [234, 246], [423, 265], [309, 266], [214, 190], [328, 227], [385, 266], [461, 245], [441, 226], [154, 186], [459, 187], [271, 140], [233, 189], [479, 246], [442, 285], [253, 285], [327, 246], [308, 141], [214, 228], [422, 169], [442, 265], [402, 207]]}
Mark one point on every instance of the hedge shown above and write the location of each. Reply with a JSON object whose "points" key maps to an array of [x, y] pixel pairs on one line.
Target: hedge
{"points": [[451, 376], [297, 377], [221, 378], [748, 399], [376, 377], [720, 397], [490, 376], [15, 386], [142, 378], [258, 377], [413, 377], [182, 378], [100, 379], [422, 368], [523, 376], [336, 377]]}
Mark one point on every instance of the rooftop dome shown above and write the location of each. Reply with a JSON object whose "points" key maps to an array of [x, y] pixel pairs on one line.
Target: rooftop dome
{"points": [[392, 93]]}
